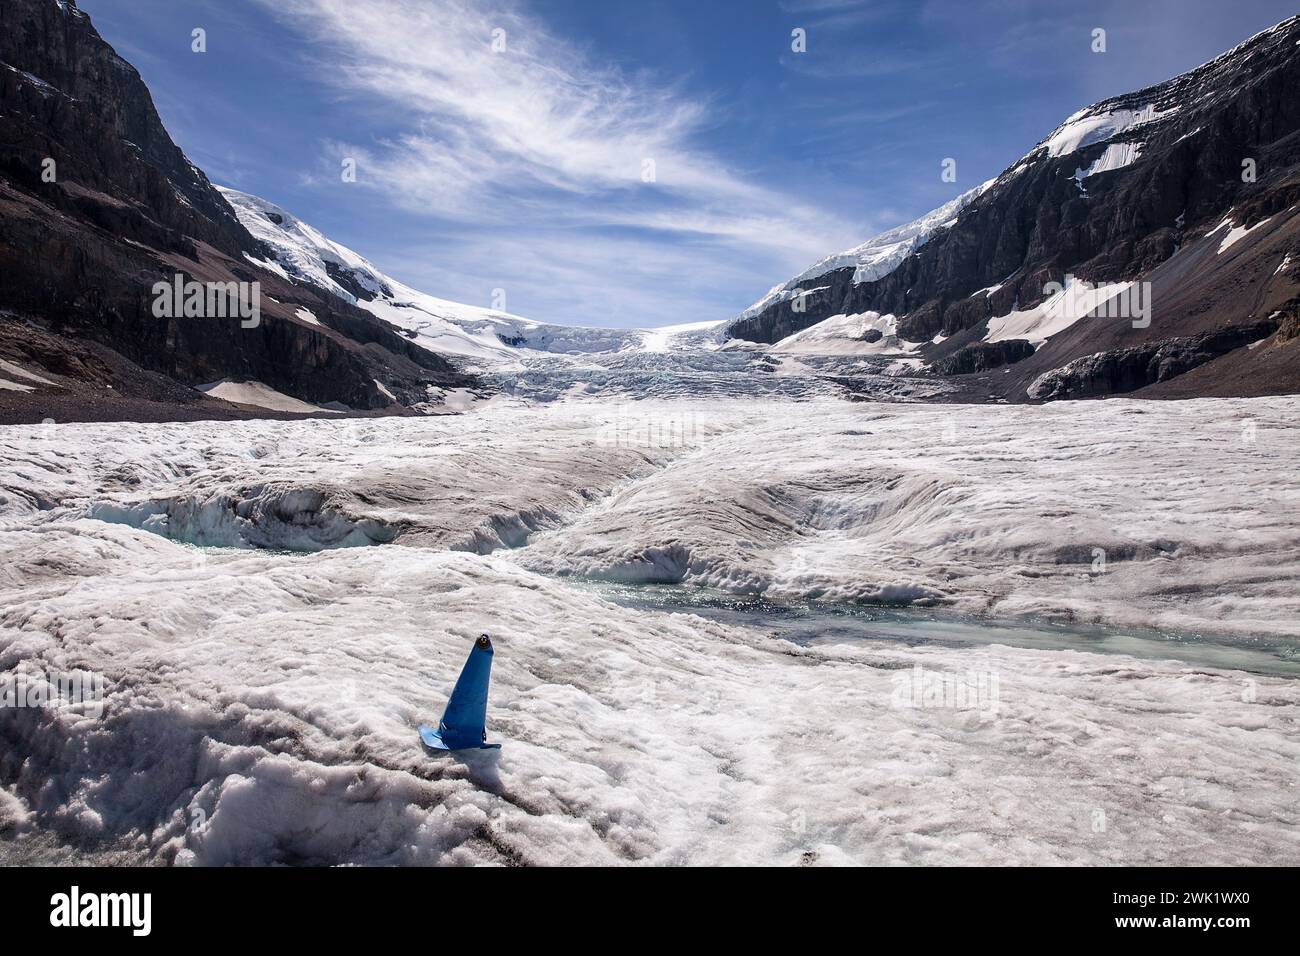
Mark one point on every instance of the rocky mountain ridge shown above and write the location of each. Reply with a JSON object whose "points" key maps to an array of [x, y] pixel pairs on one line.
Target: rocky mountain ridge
{"points": [[1134, 188], [97, 205]]}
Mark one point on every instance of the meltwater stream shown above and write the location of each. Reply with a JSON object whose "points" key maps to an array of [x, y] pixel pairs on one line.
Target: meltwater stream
{"points": [[810, 622]]}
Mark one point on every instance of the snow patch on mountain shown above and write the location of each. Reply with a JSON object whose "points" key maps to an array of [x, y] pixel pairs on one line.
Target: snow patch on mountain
{"points": [[865, 333], [987, 291], [12, 369], [1090, 125], [1115, 156], [42, 87], [1075, 300], [257, 395], [1235, 233]]}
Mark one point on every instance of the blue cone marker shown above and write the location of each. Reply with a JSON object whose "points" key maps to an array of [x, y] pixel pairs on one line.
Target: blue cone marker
{"points": [[464, 722]]}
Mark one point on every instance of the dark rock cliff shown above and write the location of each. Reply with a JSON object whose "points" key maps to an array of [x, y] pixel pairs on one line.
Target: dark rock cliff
{"points": [[81, 249], [86, 108]]}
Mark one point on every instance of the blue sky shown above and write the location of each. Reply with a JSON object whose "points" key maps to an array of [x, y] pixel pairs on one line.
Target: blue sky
{"points": [[524, 169]]}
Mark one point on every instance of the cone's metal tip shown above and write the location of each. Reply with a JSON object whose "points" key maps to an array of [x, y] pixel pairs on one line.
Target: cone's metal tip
{"points": [[484, 641]]}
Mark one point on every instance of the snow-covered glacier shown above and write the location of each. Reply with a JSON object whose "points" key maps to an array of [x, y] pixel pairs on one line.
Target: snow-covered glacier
{"points": [[275, 606], [485, 337], [536, 360]]}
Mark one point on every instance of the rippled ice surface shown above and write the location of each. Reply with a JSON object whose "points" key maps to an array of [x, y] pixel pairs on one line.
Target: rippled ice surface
{"points": [[275, 607], [709, 375]]}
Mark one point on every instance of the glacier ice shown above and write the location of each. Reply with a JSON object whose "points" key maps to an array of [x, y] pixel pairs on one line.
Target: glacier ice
{"points": [[263, 689]]}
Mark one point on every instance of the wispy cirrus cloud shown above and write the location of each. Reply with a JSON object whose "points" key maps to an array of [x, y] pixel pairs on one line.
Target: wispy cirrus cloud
{"points": [[541, 136], [840, 13]]}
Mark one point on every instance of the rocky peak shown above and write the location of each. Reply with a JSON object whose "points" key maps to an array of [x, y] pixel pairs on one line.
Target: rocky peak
{"points": [[79, 103], [82, 250], [1110, 195]]}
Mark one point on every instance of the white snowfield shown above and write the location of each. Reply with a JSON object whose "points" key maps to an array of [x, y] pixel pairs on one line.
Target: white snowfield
{"points": [[1193, 507], [257, 394], [1115, 156], [1094, 124], [261, 704], [848, 335], [1076, 299]]}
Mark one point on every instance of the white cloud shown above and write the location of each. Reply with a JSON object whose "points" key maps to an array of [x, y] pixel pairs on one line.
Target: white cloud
{"points": [[543, 135]]}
